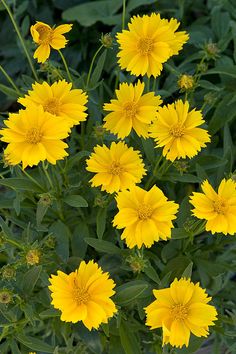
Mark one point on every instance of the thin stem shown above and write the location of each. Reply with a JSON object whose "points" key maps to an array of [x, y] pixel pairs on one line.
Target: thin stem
{"points": [[91, 65], [31, 178], [47, 175], [11, 82], [66, 66], [123, 14], [21, 39], [14, 243]]}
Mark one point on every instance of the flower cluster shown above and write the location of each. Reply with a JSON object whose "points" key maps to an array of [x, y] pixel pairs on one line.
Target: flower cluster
{"points": [[146, 215]]}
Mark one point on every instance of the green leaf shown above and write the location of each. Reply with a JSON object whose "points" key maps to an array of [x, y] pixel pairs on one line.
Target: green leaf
{"points": [[89, 13], [128, 339], [76, 201], [223, 70], [187, 273], [133, 4], [98, 69], [78, 244], [130, 291], [185, 178], [103, 246], [34, 343], [76, 159], [49, 313], [30, 279], [179, 233], [224, 113], [7, 231], [40, 212], [8, 91], [101, 222], [21, 184], [63, 235], [152, 274]]}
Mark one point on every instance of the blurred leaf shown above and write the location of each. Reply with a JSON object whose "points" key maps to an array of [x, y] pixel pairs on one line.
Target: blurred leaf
{"points": [[128, 339], [90, 12], [62, 235], [76, 201], [187, 273], [30, 279], [152, 274], [101, 221], [133, 4], [102, 246], [98, 69], [9, 91], [34, 343], [21, 184], [130, 291]]}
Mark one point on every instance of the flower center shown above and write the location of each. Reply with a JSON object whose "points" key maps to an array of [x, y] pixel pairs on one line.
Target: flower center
{"points": [[130, 109], [116, 169], [145, 45], [179, 312], [81, 295], [219, 206], [33, 136], [45, 34], [177, 130], [52, 106], [144, 212]]}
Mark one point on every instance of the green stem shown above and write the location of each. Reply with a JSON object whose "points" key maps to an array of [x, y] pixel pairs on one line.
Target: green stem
{"points": [[47, 175], [152, 177], [14, 243], [91, 65], [123, 14], [66, 66], [21, 39], [11, 82], [31, 178]]}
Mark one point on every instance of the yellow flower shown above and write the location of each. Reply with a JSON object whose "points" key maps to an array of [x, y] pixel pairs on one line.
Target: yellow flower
{"points": [[218, 209], [186, 82], [148, 43], [33, 136], [180, 310], [117, 168], [45, 37], [132, 109], [176, 129], [84, 295], [58, 99], [145, 216]]}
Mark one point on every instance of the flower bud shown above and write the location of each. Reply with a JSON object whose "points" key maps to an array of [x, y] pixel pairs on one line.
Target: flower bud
{"points": [[136, 263], [8, 272], [33, 257], [5, 296], [186, 82], [107, 40], [211, 50], [46, 199]]}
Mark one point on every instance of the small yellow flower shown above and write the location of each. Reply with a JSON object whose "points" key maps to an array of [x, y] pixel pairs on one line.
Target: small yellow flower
{"points": [[118, 167], [58, 99], [180, 310], [45, 37], [148, 43], [176, 129], [145, 216], [217, 208], [33, 136], [130, 110], [33, 257], [84, 295], [186, 82]]}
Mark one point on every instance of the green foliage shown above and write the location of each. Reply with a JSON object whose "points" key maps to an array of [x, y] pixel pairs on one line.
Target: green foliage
{"points": [[72, 221]]}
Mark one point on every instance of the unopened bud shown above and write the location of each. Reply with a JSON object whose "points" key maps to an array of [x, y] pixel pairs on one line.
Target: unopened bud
{"points": [[46, 199], [8, 272], [136, 263], [212, 51], [33, 257], [5, 296], [107, 40]]}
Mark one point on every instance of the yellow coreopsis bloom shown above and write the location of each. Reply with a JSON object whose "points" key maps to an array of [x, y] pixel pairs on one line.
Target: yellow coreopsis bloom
{"points": [[118, 167], [33, 136], [84, 295], [148, 43], [217, 208], [130, 110], [180, 310], [176, 129], [145, 216], [45, 37], [58, 99]]}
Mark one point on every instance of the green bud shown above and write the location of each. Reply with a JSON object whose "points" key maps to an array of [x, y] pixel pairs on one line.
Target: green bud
{"points": [[5, 296], [107, 40], [8, 272]]}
